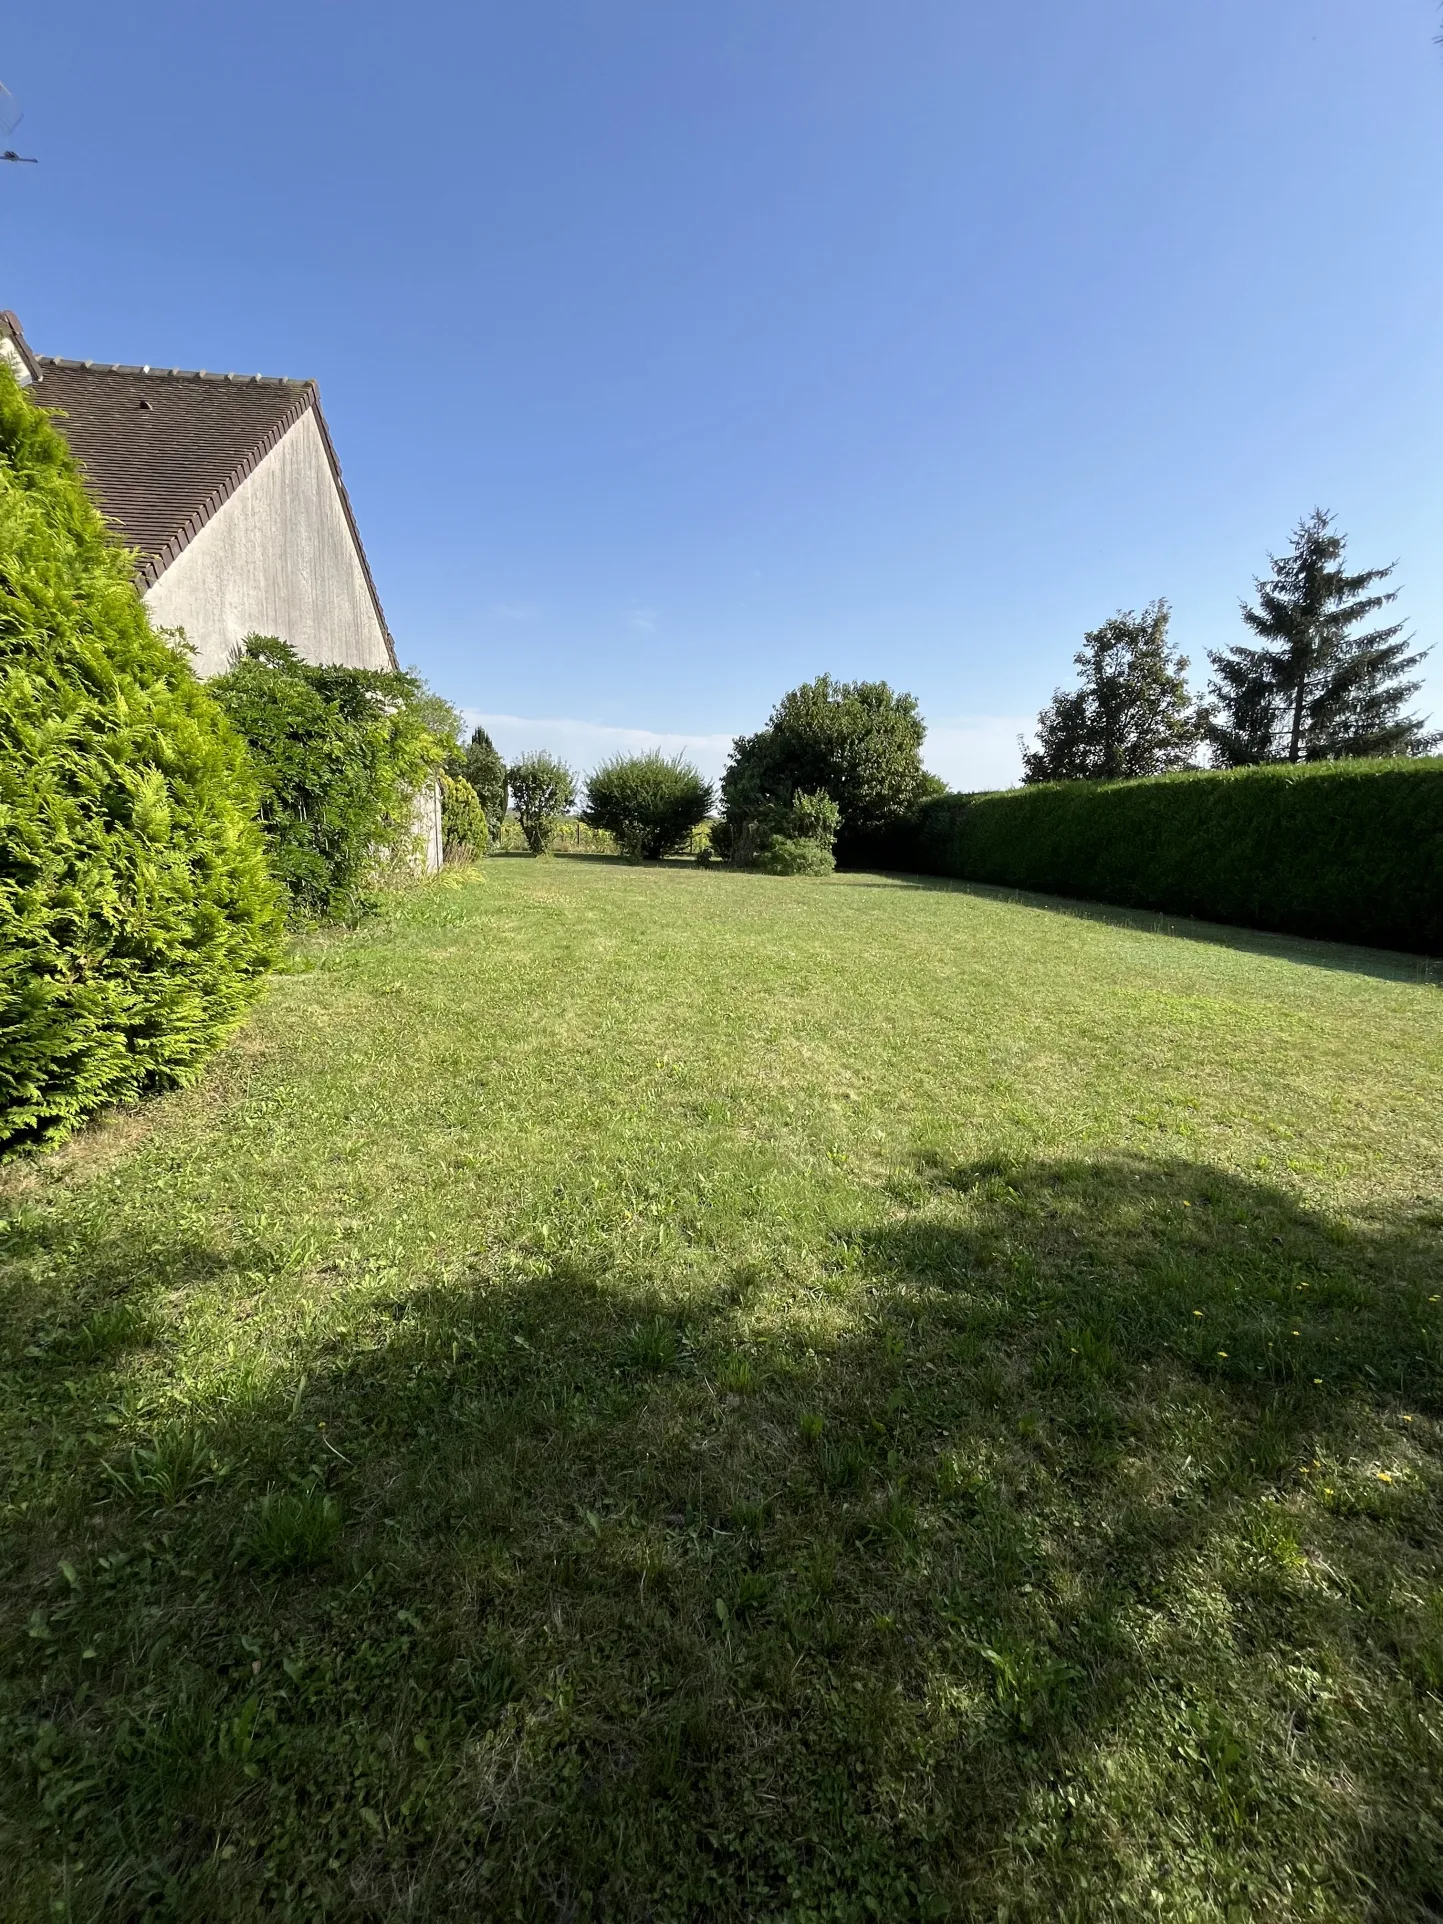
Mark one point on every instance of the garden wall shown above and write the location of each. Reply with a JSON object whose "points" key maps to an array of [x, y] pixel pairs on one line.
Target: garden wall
{"points": [[1352, 851]]}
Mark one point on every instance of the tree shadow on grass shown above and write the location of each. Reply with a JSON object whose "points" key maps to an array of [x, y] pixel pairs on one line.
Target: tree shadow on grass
{"points": [[1066, 1543]]}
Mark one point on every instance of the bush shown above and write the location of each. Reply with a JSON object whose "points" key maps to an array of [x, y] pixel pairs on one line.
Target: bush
{"points": [[860, 741], [136, 913], [340, 754], [542, 789], [650, 804], [463, 820], [795, 855], [815, 818], [1352, 850]]}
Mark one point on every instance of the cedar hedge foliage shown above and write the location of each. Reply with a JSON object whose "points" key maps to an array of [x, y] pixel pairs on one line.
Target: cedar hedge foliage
{"points": [[136, 913], [1349, 850]]}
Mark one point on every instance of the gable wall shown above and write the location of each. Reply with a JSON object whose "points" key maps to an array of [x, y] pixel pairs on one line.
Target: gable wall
{"points": [[276, 559]]}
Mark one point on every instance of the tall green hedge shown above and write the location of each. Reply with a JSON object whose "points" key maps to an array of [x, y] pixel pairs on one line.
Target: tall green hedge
{"points": [[136, 911], [1348, 850]]}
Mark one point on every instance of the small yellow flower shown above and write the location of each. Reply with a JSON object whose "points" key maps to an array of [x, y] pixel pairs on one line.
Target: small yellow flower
{"points": [[1317, 1379], [1383, 1477], [1222, 1353], [1197, 1312]]}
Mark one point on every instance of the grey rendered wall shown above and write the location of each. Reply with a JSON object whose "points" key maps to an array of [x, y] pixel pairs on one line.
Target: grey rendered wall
{"points": [[276, 559], [427, 821]]}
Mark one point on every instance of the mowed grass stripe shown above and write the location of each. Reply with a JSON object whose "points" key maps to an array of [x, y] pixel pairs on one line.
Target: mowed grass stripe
{"points": [[671, 1394]]}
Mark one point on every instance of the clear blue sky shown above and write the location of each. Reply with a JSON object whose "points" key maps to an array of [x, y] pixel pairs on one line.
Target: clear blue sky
{"points": [[677, 352]]}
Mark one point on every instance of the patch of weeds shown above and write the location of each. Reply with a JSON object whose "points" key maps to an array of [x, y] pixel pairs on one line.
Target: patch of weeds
{"points": [[1031, 1685], [117, 1327], [842, 1466], [488, 1679], [165, 1471], [653, 1347], [736, 1375], [1225, 1764], [293, 1529]]}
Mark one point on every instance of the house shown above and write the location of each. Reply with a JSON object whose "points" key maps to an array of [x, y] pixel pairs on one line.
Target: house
{"points": [[227, 489]]}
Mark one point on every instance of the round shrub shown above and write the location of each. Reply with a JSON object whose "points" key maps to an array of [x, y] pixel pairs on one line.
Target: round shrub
{"points": [[794, 855], [136, 911], [542, 789], [650, 804], [463, 820]]}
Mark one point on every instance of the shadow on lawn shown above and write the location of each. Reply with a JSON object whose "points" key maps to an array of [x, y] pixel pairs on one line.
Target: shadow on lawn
{"points": [[1385, 965], [1069, 1544]]}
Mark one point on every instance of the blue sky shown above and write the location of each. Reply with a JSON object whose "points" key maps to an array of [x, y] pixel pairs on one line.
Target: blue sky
{"points": [[677, 353]]}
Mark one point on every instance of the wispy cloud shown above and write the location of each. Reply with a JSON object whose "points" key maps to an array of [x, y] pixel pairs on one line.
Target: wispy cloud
{"points": [[583, 744], [643, 620]]}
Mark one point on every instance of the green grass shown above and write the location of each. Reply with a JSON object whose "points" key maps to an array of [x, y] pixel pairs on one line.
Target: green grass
{"points": [[670, 1394]]}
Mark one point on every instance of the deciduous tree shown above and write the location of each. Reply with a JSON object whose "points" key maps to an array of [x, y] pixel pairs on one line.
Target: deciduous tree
{"points": [[1132, 715]]}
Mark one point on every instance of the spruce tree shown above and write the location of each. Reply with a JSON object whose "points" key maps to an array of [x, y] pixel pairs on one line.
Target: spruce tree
{"points": [[1316, 689], [1132, 715]]}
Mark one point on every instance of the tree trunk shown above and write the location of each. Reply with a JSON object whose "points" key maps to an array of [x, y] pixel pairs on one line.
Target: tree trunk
{"points": [[1296, 742]]}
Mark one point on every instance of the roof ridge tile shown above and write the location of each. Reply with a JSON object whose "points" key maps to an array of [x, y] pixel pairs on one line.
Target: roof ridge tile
{"points": [[174, 373]]}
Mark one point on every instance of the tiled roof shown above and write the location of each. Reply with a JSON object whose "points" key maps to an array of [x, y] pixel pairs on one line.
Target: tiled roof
{"points": [[157, 445], [164, 448]]}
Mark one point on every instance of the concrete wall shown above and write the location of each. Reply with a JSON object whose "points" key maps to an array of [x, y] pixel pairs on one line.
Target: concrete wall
{"points": [[276, 559], [427, 820]]}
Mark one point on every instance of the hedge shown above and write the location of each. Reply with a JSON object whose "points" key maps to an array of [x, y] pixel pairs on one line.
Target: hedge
{"points": [[136, 911], [1350, 850]]}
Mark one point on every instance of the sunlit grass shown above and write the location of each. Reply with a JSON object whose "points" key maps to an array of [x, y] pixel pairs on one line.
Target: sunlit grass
{"points": [[673, 1394]]}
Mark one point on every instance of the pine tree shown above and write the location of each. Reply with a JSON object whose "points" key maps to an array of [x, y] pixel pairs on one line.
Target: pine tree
{"points": [[1133, 714], [1316, 690]]}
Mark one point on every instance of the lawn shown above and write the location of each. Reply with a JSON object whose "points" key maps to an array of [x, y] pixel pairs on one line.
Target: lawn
{"points": [[672, 1394]]}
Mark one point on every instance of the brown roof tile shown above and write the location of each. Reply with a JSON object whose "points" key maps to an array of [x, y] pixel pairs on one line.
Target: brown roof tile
{"points": [[163, 448], [156, 445]]}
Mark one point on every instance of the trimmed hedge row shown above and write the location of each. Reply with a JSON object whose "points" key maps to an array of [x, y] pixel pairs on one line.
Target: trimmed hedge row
{"points": [[1351, 851]]}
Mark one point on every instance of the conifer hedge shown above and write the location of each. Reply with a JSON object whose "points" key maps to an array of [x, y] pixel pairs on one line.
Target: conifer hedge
{"points": [[1350, 850], [136, 912]]}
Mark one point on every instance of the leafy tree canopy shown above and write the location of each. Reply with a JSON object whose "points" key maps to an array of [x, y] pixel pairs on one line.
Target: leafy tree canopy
{"points": [[859, 740], [1319, 686], [1132, 714], [543, 789]]}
